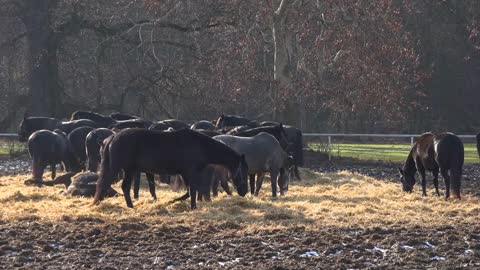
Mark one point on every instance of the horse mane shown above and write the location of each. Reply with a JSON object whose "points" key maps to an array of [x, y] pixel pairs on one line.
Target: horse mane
{"points": [[213, 146]]}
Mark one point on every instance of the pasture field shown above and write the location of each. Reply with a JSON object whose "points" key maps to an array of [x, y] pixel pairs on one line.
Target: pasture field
{"points": [[384, 152], [338, 220]]}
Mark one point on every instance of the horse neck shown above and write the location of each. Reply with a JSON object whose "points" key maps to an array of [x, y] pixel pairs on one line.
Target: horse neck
{"points": [[223, 155], [409, 166]]}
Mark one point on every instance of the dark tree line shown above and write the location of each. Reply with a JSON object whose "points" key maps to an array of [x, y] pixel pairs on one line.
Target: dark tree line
{"points": [[323, 65]]}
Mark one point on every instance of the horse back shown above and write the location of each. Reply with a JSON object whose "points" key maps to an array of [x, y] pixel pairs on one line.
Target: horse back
{"points": [[449, 150], [156, 152]]}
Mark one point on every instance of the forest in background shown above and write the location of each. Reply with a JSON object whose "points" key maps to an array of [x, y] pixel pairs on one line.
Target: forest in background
{"points": [[384, 66]]}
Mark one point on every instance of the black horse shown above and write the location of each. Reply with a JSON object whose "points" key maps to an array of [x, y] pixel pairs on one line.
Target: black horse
{"points": [[183, 152], [93, 141], [102, 120], [230, 120], [31, 124], [295, 138], [50, 148], [122, 116], [77, 141], [132, 123], [444, 153], [204, 125]]}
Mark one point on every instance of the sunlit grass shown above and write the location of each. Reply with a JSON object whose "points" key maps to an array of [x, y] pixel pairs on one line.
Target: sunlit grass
{"points": [[384, 152], [336, 199]]}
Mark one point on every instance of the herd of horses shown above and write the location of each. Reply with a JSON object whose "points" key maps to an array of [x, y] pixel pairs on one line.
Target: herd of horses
{"points": [[204, 154]]}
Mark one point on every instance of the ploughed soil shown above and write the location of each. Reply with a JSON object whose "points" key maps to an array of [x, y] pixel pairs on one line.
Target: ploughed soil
{"points": [[93, 244], [87, 242]]}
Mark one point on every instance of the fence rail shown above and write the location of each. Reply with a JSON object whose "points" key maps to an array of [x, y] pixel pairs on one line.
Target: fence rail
{"points": [[9, 141], [329, 137]]}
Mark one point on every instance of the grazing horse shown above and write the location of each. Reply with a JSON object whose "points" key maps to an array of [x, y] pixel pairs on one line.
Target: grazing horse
{"points": [[93, 141], [77, 141], [83, 184], [31, 124], [280, 133], [263, 154], [230, 120], [204, 125], [102, 120], [132, 123], [50, 148], [185, 152], [295, 138], [122, 117], [443, 152]]}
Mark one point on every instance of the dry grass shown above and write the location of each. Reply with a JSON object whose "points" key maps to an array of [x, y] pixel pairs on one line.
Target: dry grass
{"points": [[340, 199]]}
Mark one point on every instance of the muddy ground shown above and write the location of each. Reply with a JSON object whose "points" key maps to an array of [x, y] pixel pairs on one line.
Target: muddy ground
{"points": [[90, 243]]}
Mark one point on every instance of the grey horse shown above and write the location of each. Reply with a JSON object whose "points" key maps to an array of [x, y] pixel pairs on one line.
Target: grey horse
{"points": [[263, 153]]}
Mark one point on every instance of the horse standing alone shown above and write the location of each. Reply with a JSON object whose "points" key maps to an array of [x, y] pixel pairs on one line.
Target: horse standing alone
{"points": [[443, 152]]}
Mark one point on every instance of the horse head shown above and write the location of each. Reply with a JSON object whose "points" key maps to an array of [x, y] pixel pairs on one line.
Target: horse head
{"points": [[219, 123], [24, 130], [407, 180], [240, 177]]}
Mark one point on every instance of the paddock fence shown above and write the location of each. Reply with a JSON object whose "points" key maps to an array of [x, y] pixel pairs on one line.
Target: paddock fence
{"points": [[390, 147]]}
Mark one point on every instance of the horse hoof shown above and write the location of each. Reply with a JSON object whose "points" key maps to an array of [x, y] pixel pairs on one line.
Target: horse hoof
{"points": [[32, 182]]}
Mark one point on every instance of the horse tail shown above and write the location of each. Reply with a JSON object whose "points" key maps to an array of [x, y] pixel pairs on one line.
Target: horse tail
{"points": [[478, 144], [455, 181], [296, 172], [299, 149], [457, 166], [106, 175]]}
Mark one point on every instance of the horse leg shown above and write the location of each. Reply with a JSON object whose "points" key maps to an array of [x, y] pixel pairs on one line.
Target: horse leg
{"points": [[215, 184], [151, 185], [252, 183], [225, 186], [456, 177], [136, 185], [38, 166], [435, 181], [126, 186], [193, 196], [273, 181], [421, 170], [181, 198], [260, 177], [446, 178], [53, 169]]}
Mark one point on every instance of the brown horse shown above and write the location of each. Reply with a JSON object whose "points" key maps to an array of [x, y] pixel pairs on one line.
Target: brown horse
{"points": [[443, 152]]}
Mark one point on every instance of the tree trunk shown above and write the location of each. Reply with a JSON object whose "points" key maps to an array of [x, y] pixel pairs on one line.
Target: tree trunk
{"points": [[45, 91], [282, 64]]}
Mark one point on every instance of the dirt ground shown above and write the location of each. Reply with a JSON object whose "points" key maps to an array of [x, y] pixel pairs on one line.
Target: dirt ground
{"points": [[377, 235]]}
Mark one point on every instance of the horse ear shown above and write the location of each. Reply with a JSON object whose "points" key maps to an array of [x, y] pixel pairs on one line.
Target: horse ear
{"points": [[400, 171]]}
